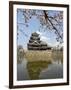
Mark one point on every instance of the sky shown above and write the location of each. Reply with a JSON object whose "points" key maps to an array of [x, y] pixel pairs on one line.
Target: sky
{"points": [[24, 32]]}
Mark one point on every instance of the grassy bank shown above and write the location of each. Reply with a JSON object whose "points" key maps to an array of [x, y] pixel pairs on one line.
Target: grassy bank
{"points": [[38, 55], [46, 55]]}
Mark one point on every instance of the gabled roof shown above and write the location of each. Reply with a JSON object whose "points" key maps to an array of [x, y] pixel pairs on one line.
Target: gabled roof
{"points": [[35, 42], [35, 34]]}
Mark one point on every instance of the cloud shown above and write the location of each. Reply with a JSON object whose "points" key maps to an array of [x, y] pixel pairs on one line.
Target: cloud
{"points": [[48, 41], [52, 43], [45, 39], [39, 32], [56, 44]]}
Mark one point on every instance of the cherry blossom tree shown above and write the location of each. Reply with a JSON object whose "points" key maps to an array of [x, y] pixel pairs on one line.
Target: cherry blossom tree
{"points": [[49, 20]]}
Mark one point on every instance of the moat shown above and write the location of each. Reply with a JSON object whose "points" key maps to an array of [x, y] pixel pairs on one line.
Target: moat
{"points": [[41, 69]]}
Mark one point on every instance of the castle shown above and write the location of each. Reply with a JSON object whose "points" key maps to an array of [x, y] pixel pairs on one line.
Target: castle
{"points": [[36, 44]]}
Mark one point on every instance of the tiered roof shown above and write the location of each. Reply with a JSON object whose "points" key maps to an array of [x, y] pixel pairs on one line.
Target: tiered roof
{"points": [[35, 43]]}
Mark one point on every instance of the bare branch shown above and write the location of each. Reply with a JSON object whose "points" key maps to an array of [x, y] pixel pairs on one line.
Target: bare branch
{"points": [[55, 29]]}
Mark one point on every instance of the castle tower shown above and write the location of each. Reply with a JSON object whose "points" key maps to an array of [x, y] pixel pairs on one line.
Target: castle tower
{"points": [[35, 43]]}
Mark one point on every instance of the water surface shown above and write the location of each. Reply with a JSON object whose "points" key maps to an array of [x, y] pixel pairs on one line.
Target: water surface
{"points": [[33, 70]]}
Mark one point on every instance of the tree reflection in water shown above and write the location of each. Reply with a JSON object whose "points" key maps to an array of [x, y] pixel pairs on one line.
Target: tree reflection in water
{"points": [[57, 56], [35, 67]]}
